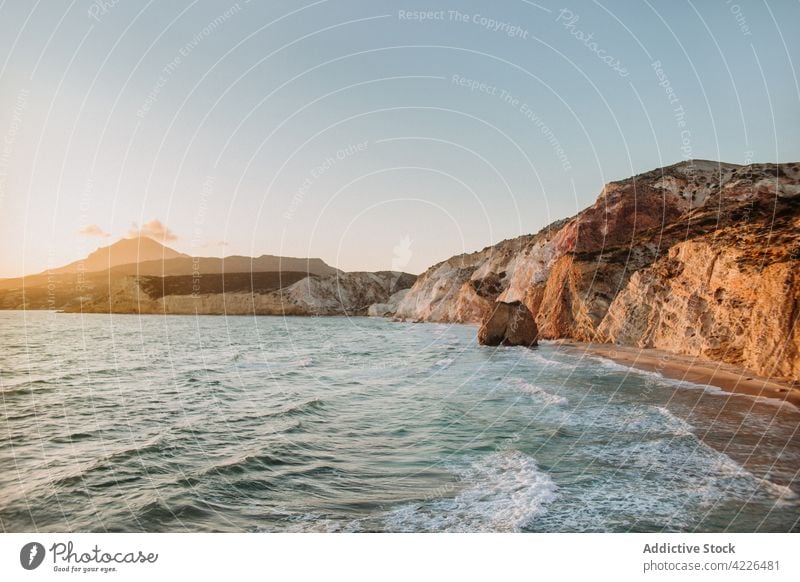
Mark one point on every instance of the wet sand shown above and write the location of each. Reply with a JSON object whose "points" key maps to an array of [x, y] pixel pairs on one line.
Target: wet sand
{"points": [[678, 367]]}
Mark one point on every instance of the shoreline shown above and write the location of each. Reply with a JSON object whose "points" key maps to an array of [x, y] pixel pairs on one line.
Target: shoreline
{"points": [[727, 377]]}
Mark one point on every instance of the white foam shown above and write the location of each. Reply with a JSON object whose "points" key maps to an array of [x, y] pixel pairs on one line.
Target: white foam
{"points": [[658, 484], [503, 491], [537, 392], [720, 392], [645, 420], [690, 474], [707, 388], [617, 367], [678, 426], [537, 357], [314, 523], [729, 469]]}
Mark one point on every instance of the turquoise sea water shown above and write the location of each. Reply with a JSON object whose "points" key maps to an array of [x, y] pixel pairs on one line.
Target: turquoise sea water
{"points": [[128, 423]]}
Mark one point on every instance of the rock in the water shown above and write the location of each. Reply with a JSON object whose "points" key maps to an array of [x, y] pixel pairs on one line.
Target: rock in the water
{"points": [[509, 324]]}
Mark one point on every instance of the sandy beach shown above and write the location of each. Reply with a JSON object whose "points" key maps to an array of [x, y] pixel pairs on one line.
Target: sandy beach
{"points": [[691, 369]]}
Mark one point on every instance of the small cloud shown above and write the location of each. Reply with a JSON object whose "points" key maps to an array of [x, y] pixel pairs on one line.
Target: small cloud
{"points": [[154, 229], [212, 244], [93, 230]]}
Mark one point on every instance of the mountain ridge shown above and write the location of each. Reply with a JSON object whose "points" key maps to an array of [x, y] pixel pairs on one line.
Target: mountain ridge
{"points": [[160, 260], [175, 283], [124, 251]]}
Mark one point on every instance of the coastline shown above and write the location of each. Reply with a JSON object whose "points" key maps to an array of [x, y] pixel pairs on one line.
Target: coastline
{"points": [[727, 377]]}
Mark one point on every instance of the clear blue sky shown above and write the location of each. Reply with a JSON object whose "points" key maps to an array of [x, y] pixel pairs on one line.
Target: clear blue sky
{"points": [[216, 119]]}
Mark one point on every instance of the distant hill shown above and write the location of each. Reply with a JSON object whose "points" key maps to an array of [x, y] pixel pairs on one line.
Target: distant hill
{"points": [[125, 251], [144, 256], [140, 275], [186, 265]]}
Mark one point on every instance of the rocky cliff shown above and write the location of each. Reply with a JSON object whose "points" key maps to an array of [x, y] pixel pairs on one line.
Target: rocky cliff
{"points": [[281, 293], [699, 258]]}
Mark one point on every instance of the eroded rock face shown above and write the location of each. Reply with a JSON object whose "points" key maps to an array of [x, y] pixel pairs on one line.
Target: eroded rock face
{"points": [[698, 258], [389, 308], [340, 294], [463, 289], [508, 324], [713, 302]]}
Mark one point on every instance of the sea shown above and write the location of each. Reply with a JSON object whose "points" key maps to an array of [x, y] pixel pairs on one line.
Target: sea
{"points": [[127, 423]]}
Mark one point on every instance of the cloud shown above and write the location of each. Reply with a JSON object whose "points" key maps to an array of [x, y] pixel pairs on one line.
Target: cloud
{"points": [[154, 229], [215, 243], [93, 230]]}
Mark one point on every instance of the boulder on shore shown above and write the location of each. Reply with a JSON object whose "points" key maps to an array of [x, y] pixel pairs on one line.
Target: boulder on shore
{"points": [[509, 324]]}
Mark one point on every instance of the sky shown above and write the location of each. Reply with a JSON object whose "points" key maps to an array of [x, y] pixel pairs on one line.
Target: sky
{"points": [[372, 134]]}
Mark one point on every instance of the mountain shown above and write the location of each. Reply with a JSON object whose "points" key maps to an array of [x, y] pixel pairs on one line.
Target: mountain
{"points": [[123, 252], [698, 258], [142, 276], [186, 265], [143, 256]]}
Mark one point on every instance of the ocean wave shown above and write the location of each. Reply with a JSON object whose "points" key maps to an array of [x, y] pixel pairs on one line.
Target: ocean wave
{"points": [[503, 491], [536, 357], [156, 513], [613, 366], [74, 437], [537, 392], [156, 443], [657, 485], [678, 425], [26, 387], [654, 420], [272, 365], [639, 421], [309, 406], [716, 391], [690, 474], [106, 462], [239, 465], [728, 469], [316, 523]]}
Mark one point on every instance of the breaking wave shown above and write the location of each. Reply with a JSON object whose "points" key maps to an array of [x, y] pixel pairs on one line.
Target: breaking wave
{"points": [[503, 491]]}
